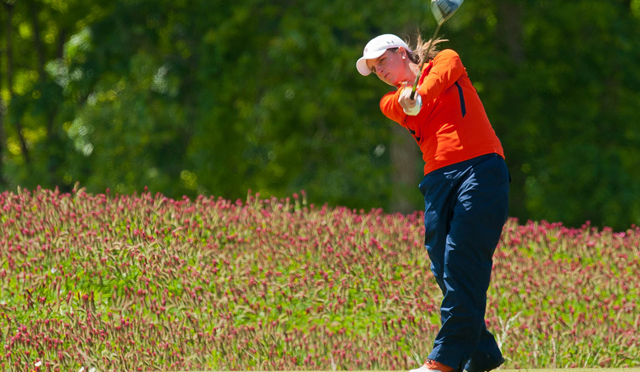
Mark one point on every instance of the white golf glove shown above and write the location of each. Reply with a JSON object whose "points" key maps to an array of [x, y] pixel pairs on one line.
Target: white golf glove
{"points": [[415, 110]]}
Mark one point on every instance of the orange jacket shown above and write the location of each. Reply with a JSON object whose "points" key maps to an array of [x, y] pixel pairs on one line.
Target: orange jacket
{"points": [[452, 125]]}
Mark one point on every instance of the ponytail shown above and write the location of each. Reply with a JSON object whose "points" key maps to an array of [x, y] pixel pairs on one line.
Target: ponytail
{"points": [[417, 55]]}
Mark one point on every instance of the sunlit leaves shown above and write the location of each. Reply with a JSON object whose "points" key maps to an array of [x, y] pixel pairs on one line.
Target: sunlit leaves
{"points": [[263, 95]]}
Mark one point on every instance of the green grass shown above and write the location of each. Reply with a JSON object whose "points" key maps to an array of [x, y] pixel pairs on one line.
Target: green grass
{"points": [[149, 283], [518, 370], [574, 370]]}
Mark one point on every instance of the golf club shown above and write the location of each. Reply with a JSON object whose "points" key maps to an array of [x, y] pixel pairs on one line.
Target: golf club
{"points": [[442, 10]]}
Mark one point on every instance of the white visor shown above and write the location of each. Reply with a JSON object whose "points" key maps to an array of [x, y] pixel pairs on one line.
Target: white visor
{"points": [[375, 48]]}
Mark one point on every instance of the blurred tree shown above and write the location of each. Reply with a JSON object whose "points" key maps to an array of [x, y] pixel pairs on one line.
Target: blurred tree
{"points": [[218, 97], [36, 144], [3, 137], [189, 101], [9, 8]]}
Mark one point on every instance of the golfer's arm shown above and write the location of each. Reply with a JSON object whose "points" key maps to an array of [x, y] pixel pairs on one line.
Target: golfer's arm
{"points": [[447, 69], [391, 108]]}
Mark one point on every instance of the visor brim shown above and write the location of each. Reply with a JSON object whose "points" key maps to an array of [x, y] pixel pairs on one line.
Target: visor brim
{"points": [[361, 65]]}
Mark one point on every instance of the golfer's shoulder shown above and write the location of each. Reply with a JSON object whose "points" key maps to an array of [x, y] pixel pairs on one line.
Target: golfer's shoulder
{"points": [[446, 55]]}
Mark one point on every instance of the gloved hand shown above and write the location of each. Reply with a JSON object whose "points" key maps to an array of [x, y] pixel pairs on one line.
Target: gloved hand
{"points": [[410, 106]]}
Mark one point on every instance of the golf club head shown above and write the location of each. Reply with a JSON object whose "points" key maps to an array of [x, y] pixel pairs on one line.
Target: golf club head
{"points": [[444, 9]]}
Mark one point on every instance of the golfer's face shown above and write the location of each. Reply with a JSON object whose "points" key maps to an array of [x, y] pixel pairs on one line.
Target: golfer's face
{"points": [[389, 67]]}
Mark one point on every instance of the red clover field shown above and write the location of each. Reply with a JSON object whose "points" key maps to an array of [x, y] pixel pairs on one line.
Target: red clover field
{"points": [[143, 282]]}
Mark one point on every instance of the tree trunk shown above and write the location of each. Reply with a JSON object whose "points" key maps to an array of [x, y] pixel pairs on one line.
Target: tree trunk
{"points": [[62, 36], [510, 40], [3, 137], [54, 152], [37, 41], [510, 25], [17, 124], [405, 161]]}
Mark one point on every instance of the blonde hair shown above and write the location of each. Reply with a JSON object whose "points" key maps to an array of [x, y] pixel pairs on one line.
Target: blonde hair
{"points": [[418, 54]]}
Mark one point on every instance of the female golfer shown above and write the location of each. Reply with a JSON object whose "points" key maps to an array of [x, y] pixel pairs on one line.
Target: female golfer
{"points": [[465, 188]]}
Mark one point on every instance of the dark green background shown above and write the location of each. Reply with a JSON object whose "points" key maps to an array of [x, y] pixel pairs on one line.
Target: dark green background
{"points": [[221, 97]]}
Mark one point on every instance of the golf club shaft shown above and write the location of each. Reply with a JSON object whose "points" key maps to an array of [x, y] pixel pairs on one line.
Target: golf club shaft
{"points": [[424, 59]]}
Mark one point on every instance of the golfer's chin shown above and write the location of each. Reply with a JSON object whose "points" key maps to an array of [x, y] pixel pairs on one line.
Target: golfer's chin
{"points": [[391, 82]]}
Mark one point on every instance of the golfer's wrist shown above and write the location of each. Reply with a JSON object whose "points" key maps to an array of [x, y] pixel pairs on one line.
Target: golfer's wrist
{"points": [[415, 110]]}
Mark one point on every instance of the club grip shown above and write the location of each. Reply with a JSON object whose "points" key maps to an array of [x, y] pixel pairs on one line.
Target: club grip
{"points": [[415, 85]]}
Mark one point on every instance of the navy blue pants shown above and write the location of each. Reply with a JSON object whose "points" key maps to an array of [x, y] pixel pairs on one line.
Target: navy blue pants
{"points": [[466, 205]]}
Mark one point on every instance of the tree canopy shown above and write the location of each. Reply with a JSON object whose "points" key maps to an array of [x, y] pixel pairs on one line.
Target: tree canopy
{"points": [[217, 97]]}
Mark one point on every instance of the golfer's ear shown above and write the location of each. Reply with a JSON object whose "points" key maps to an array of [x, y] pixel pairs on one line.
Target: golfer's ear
{"points": [[405, 53]]}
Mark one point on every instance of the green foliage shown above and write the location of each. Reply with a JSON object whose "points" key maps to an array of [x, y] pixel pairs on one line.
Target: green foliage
{"points": [[217, 97], [554, 81]]}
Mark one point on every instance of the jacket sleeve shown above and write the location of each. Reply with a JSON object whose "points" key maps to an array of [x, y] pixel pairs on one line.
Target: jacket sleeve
{"points": [[447, 69], [391, 108]]}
